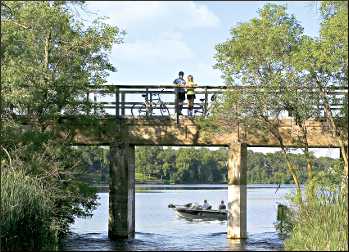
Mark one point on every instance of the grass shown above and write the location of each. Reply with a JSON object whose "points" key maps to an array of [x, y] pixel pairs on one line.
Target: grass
{"points": [[320, 227], [321, 222], [26, 212]]}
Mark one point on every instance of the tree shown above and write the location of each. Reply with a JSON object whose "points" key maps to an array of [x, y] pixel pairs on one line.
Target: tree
{"points": [[49, 60], [324, 62], [259, 55]]}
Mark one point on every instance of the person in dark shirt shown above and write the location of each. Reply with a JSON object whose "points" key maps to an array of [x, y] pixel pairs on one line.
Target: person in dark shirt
{"points": [[180, 91], [222, 206]]}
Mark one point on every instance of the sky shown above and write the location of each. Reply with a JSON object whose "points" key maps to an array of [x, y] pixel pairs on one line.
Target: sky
{"points": [[165, 37]]}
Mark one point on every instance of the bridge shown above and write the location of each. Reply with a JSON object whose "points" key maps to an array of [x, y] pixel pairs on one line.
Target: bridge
{"points": [[127, 121]]}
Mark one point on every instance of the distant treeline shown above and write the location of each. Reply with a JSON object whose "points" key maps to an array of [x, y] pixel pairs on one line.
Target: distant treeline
{"points": [[190, 165]]}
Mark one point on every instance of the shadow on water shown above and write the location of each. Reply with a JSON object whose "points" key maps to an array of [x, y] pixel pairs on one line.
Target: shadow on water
{"points": [[101, 242], [268, 241]]}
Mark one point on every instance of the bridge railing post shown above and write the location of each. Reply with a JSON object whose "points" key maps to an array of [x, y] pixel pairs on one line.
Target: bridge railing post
{"points": [[151, 102], [176, 106], [87, 102], [206, 101], [122, 104], [117, 105], [146, 97], [94, 102]]}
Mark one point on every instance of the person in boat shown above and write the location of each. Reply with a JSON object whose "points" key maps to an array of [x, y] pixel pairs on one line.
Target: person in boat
{"points": [[222, 206], [206, 206]]}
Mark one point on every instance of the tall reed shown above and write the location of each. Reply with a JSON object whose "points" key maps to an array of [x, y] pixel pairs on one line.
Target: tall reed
{"points": [[26, 211], [321, 223]]}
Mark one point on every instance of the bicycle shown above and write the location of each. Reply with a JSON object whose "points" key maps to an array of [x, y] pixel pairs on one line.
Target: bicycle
{"points": [[147, 108], [201, 109]]}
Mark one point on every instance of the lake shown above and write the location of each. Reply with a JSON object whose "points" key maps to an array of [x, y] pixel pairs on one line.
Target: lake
{"points": [[159, 228]]}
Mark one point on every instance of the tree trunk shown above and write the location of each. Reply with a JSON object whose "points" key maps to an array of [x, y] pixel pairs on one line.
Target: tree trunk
{"points": [[337, 133], [333, 125], [292, 170], [310, 187], [306, 151]]}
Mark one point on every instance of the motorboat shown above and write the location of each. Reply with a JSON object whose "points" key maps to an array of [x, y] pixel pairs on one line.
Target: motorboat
{"points": [[193, 212]]}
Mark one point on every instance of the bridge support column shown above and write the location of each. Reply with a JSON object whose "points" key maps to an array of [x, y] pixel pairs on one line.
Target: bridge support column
{"points": [[237, 191], [122, 192]]}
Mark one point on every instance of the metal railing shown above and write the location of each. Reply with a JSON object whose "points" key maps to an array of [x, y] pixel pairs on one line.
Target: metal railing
{"points": [[149, 101], [133, 101], [160, 100]]}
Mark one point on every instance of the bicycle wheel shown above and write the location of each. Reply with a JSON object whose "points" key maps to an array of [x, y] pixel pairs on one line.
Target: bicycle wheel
{"points": [[164, 110], [142, 110], [199, 112], [134, 110]]}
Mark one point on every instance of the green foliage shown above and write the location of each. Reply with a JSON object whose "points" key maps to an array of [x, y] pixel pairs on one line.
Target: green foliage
{"points": [[260, 53], [190, 165], [96, 165], [26, 210], [186, 165], [273, 55], [259, 48], [321, 223], [287, 72], [57, 168], [324, 60], [285, 220], [49, 59]]}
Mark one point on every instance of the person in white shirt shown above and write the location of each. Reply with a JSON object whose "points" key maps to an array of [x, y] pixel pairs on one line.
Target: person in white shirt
{"points": [[206, 205]]}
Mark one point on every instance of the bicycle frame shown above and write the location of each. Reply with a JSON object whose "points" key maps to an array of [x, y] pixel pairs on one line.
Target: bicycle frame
{"points": [[151, 105], [201, 110]]}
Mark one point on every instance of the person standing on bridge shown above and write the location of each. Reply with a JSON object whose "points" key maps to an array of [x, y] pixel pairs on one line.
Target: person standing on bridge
{"points": [[180, 92], [190, 94]]}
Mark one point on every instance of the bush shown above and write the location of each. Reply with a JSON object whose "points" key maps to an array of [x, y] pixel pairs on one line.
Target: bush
{"points": [[321, 223], [42, 193], [25, 213], [285, 220]]}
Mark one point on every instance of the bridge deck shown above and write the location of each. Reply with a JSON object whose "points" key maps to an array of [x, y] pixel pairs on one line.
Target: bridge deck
{"points": [[166, 131]]}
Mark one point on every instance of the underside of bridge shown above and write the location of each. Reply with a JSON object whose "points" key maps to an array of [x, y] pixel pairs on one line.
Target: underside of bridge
{"points": [[123, 135], [122, 191]]}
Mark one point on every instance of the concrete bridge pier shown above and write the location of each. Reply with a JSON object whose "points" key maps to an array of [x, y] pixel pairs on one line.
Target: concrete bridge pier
{"points": [[122, 191], [237, 191]]}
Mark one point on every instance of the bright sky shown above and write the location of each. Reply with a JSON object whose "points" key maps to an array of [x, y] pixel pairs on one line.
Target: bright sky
{"points": [[166, 37]]}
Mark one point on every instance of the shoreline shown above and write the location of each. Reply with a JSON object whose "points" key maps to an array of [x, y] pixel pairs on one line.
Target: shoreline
{"points": [[142, 187]]}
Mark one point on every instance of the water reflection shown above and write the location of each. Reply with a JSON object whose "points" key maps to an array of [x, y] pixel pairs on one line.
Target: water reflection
{"points": [[159, 228], [149, 241]]}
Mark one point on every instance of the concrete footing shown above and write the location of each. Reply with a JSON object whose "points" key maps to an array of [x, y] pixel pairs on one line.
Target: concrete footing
{"points": [[122, 192], [237, 191]]}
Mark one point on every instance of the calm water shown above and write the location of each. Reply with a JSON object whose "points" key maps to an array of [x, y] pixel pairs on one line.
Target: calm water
{"points": [[158, 227]]}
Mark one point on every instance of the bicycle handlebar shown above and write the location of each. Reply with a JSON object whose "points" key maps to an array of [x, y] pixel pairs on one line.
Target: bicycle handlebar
{"points": [[157, 93]]}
